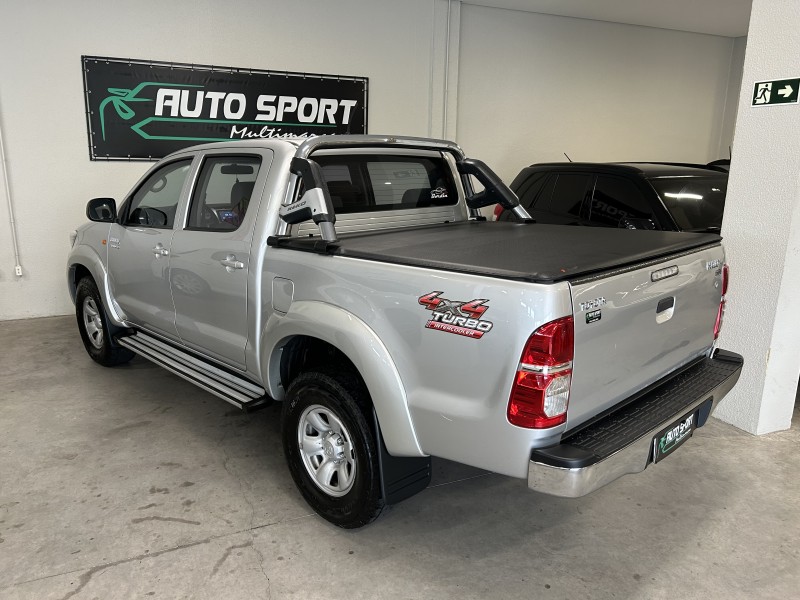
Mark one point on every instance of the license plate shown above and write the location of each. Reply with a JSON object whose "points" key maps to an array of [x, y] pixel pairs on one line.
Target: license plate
{"points": [[666, 442]]}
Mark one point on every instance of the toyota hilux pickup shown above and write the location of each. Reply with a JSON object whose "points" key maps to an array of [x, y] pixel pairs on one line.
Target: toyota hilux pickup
{"points": [[353, 279]]}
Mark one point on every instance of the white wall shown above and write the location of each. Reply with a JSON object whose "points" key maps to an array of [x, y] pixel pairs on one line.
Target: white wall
{"points": [[762, 230], [595, 90], [521, 88], [732, 98], [42, 109]]}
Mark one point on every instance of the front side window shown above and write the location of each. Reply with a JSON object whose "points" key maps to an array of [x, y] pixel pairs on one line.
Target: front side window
{"points": [[223, 192], [696, 203], [155, 202], [387, 182]]}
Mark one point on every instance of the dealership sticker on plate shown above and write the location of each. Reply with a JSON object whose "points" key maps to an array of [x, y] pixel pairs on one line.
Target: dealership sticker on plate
{"points": [[666, 442]]}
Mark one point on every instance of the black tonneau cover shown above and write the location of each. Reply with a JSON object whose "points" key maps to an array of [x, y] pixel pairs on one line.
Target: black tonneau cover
{"points": [[508, 250]]}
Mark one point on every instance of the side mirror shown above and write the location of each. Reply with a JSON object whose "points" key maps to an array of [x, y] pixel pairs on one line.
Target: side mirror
{"points": [[101, 210]]}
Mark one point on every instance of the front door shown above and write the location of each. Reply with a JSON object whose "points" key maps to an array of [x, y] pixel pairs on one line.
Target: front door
{"points": [[139, 248], [210, 257]]}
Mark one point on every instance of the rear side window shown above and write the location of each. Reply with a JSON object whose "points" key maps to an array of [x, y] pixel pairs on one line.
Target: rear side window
{"points": [[617, 202], [569, 193], [222, 195], [155, 202], [368, 183]]}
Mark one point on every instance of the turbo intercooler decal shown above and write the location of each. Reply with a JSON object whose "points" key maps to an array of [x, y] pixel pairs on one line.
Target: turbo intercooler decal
{"points": [[147, 109], [454, 316]]}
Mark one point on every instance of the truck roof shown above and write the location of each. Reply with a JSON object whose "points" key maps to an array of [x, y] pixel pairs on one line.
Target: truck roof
{"points": [[310, 144]]}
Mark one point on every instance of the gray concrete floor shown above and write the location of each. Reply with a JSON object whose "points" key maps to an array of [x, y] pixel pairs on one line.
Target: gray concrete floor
{"points": [[131, 483]]}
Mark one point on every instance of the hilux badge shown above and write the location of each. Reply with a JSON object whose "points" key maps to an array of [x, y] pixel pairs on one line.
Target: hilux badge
{"points": [[592, 304]]}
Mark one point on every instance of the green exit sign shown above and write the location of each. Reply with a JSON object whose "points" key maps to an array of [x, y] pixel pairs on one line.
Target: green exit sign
{"points": [[776, 91]]}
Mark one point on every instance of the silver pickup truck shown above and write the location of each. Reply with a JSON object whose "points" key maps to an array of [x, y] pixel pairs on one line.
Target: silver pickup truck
{"points": [[353, 279]]}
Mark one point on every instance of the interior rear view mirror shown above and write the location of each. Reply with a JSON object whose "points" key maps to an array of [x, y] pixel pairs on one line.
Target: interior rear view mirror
{"points": [[237, 169], [101, 210]]}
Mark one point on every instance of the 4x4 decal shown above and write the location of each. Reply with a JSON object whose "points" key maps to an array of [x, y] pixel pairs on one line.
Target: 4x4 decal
{"points": [[454, 316]]}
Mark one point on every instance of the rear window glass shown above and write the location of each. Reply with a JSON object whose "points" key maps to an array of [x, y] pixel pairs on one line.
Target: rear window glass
{"points": [[365, 183], [695, 203]]}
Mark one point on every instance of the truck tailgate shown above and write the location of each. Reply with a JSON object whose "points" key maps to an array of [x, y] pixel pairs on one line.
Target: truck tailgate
{"points": [[635, 325]]}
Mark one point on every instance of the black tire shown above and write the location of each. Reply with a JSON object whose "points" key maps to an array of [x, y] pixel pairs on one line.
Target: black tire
{"points": [[344, 397], [96, 331]]}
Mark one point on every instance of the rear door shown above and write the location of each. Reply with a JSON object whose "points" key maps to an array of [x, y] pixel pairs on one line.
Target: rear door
{"points": [[635, 327], [139, 248], [210, 255]]}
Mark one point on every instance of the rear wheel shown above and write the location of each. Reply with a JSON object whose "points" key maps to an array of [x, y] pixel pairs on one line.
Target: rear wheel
{"points": [[331, 448], [95, 329]]}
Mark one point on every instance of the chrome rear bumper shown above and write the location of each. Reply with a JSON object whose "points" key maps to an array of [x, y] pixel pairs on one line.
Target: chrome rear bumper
{"points": [[622, 442]]}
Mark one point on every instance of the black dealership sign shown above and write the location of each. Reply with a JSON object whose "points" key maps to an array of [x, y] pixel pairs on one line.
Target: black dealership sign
{"points": [[143, 110]]}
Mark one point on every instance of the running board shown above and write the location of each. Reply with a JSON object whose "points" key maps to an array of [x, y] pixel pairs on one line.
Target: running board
{"points": [[232, 388]]}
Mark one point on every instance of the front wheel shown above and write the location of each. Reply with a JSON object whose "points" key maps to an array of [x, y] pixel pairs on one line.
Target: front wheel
{"points": [[95, 328], [331, 448]]}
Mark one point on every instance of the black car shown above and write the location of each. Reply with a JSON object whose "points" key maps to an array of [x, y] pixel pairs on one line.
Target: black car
{"points": [[667, 196]]}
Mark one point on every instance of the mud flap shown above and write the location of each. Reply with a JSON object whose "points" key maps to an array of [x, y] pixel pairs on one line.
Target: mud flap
{"points": [[401, 476]]}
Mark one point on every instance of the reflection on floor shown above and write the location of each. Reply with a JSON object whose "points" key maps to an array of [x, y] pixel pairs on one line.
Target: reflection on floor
{"points": [[131, 483]]}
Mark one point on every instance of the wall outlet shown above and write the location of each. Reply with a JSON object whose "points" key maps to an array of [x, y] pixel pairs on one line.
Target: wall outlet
{"points": [[18, 271]]}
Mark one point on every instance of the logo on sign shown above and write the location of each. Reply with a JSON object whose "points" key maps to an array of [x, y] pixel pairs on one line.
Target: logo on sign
{"points": [[147, 109]]}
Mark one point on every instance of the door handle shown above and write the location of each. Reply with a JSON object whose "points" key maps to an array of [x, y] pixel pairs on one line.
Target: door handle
{"points": [[230, 263], [159, 250]]}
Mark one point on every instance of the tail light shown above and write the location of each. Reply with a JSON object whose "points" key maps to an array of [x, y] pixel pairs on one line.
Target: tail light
{"points": [[540, 393], [498, 210], [721, 310]]}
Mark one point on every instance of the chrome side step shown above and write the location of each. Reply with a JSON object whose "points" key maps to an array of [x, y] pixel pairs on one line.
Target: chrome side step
{"points": [[230, 387]]}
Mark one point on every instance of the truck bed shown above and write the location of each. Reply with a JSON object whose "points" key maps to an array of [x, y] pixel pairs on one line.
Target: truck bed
{"points": [[519, 251]]}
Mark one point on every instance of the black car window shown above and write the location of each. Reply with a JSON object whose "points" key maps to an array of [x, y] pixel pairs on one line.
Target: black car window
{"points": [[155, 202], [222, 195], [528, 192], [618, 202], [569, 193], [696, 203]]}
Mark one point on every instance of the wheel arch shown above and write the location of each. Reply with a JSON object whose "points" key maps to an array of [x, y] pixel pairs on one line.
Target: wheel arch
{"points": [[311, 331], [85, 261]]}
